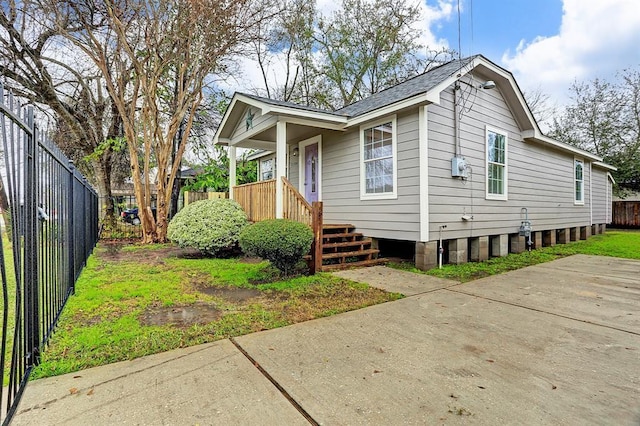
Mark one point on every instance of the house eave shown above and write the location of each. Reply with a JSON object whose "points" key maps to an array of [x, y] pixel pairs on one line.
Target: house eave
{"points": [[414, 101], [605, 166], [535, 136]]}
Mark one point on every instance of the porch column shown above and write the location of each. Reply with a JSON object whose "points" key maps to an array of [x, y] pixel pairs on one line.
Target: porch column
{"points": [[232, 170], [281, 165]]}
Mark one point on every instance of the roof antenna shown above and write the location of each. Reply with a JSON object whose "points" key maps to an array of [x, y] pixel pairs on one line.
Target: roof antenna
{"points": [[459, 35]]}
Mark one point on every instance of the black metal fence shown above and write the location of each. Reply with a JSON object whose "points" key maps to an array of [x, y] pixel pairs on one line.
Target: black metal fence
{"points": [[121, 220], [49, 229]]}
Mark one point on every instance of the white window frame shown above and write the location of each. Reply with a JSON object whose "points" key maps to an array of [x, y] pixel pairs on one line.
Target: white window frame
{"points": [[505, 195], [391, 195], [273, 168], [578, 201]]}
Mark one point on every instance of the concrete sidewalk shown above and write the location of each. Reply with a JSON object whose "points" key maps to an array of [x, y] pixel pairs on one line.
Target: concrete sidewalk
{"points": [[557, 343]]}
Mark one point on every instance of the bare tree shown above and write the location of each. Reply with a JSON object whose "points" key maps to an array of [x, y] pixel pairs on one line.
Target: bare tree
{"points": [[540, 105], [286, 43], [32, 61], [604, 118], [332, 61], [172, 47]]}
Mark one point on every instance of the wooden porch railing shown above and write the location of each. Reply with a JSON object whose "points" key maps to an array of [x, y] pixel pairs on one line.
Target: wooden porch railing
{"points": [[258, 199], [295, 207], [259, 202]]}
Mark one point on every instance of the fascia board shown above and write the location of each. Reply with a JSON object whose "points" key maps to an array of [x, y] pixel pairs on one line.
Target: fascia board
{"points": [[605, 165], [533, 135], [300, 113], [420, 99]]}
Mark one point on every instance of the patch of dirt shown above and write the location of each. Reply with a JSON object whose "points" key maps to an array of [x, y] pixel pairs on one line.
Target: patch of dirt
{"points": [[112, 251], [232, 294], [181, 316], [250, 260]]}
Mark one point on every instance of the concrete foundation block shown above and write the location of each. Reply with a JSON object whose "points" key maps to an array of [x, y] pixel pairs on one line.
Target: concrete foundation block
{"points": [[603, 228], [574, 233], [517, 244], [479, 249], [499, 245], [375, 243], [564, 235], [537, 239], [458, 251], [549, 238], [426, 255], [585, 232], [594, 229]]}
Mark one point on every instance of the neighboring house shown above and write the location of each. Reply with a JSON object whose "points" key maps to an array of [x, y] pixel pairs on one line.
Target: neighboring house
{"points": [[454, 153]]}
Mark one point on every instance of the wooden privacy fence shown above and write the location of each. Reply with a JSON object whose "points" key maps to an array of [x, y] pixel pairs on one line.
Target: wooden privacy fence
{"points": [[192, 197], [626, 214]]}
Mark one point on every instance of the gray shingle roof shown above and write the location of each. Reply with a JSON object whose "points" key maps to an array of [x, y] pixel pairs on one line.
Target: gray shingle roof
{"points": [[407, 89], [287, 104], [412, 87]]}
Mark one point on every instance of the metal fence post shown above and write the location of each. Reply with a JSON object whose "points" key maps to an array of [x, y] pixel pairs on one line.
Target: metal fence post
{"points": [[70, 234], [31, 244]]}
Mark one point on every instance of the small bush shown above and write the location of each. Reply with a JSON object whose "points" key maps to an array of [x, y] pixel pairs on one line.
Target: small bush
{"points": [[211, 226], [282, 242]]}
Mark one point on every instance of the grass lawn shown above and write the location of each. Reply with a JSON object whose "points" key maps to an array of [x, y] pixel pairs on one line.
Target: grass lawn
{"points": [[134, 300], [625, 244]]}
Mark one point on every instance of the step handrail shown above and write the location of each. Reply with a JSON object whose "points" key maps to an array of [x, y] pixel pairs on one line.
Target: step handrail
{"points": [[295, 207]]}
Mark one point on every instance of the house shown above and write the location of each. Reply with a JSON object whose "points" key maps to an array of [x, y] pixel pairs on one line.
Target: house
{"points": [[452, 155]]}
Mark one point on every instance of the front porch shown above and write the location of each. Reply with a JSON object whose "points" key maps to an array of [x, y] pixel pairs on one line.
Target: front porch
{"points": [[334, 247]]}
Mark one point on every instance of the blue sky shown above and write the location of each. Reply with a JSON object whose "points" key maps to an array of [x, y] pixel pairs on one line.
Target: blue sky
{"points": [[546, 44], [492, 27]]}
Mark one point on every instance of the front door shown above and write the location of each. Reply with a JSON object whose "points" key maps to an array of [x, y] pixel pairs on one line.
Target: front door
{"points": [[310, 173]]}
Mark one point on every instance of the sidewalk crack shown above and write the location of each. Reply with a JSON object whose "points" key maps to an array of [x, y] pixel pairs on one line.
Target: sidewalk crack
{"points": [[273, 381]]}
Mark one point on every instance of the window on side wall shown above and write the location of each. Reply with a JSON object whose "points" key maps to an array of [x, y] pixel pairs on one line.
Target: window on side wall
{"points": [[267, 169], [378, 152], [578, 176], [496, 156]]}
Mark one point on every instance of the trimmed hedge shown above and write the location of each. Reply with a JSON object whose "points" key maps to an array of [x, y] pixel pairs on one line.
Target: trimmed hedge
{"points": [[282, 242], [211, 226]]}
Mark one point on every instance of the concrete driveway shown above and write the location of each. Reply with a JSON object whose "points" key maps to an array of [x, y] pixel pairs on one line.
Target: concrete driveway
{"points": [[557, 343]]}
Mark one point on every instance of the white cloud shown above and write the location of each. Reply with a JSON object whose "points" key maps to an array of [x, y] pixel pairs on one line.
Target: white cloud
{"points": [[597, 38]]}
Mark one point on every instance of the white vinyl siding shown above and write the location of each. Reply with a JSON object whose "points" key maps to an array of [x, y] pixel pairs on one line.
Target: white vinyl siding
{"points": [[378, 159], [578, 174], [496, 149]]}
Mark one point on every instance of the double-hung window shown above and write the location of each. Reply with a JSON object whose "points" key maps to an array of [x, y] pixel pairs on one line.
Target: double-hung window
{"points": [[267, 169], [578, 175], [378, 152], [496, 156]]}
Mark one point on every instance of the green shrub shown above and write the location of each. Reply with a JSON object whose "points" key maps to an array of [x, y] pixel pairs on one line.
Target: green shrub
{"points": [[282, 242], [211, 226]]}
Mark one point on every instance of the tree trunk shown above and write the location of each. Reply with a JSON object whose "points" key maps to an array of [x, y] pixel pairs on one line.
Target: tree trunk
{"points": [[102, 173]]}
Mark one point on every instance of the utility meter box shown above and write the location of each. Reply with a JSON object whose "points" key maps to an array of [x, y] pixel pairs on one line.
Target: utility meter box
{"points": [[458, 167], [525, 229]]}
